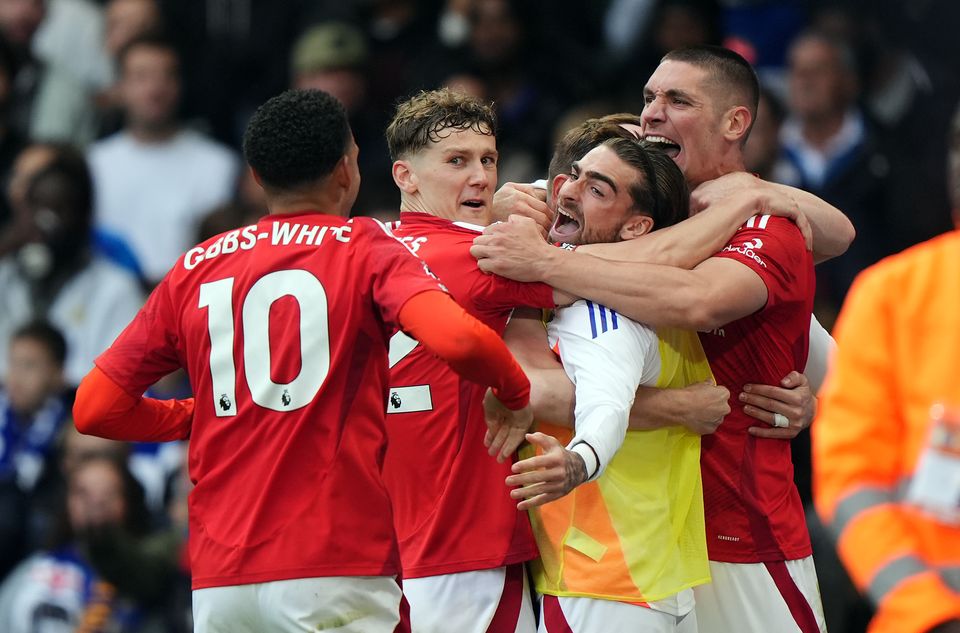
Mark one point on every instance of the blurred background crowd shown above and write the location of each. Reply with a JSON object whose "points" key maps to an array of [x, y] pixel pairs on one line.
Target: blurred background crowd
{"points": [[120, 128]]}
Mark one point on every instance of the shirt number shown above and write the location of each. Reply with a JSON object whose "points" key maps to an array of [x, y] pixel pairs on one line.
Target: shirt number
{"points": [[217, 297]]}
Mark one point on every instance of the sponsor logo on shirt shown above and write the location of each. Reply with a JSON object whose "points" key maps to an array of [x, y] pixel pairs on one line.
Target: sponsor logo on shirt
{"points": [[748, 249]]}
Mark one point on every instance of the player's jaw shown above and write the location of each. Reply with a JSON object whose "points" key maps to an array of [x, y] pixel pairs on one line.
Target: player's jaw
{"points": [[567, 223]]}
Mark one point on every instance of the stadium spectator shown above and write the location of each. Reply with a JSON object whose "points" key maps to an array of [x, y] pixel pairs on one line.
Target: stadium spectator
{"points": [[33, 406], [64, 587], [832, 151], [335, 57], [134, 169], [56, 274], [284, 435]]}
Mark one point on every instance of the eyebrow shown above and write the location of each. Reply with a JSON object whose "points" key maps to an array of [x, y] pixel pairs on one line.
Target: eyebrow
{"points": [[464, 150], [673, 92], [596, 175]]}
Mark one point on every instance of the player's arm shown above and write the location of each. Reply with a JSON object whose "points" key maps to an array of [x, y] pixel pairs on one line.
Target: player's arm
{"points": [[699, 407], [474, 351], [551, 392], [830, 229], [693, 240], [104, 409], [716, 292], [606, 370]]}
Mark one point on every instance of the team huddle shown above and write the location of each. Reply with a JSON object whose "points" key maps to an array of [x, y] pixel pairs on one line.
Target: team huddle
{"points": [[402, 427]]}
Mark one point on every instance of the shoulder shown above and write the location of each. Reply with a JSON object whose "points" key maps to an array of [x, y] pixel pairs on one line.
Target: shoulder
{"points": [[930, 261], [108, 147]]}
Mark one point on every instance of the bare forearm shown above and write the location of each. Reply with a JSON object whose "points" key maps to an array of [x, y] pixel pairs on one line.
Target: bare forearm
{"points": [[655, 295], [657, 408], [682, 245], [552, 396]]}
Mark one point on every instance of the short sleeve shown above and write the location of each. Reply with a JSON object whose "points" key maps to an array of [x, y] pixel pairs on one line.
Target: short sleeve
{"points": [[772, 247], [397, 273]]}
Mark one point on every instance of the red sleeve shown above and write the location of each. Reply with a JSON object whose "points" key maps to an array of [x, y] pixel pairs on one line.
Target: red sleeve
{"points": [[773, 248], [471, 348], [104, 409], [398, 274], [501, 293]]}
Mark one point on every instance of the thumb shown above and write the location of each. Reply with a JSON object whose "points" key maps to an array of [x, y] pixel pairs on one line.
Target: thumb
{"points": [[793, 379], [542, 440]]}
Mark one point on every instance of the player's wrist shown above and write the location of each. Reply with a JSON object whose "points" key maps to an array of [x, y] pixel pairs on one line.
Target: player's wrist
{"points": [[583, 463]]}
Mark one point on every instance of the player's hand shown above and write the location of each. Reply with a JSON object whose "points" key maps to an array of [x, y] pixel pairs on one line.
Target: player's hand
{"points": [[546, 477], [756, 194], [713, 192], [794, 400], [709, 404], [524, 200], [506, 428], [513, 249]]}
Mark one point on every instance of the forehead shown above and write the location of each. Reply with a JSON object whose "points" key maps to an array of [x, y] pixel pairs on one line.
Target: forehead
{"points": [[604, 161], [672, 75], [462, 139]]}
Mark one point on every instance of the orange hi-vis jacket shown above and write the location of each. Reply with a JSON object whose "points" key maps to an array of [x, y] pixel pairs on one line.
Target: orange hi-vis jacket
{"points": [[898, 340], [637, 533]]}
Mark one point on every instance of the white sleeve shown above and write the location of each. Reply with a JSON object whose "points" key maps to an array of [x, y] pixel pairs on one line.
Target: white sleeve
{"points": [[605, 355], [820, 351]]}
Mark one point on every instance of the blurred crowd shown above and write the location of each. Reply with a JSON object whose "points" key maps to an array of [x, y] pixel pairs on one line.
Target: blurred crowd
{"points": [[120, 126]]}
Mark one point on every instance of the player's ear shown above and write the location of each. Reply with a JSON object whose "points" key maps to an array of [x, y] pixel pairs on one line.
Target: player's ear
{"points": [[341, 171], [737, 122], [558, 181], [636, 225], [256, 176], [404, 177]]}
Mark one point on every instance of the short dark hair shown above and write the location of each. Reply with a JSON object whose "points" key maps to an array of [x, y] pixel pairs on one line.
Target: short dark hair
{"points": [[581, 139], [296, 138], [419, 120], [47, 335], [662, 193], [729, 72], [150, 39]]}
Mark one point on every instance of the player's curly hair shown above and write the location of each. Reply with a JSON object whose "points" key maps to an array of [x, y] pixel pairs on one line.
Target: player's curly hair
{"points": [[662, 193], [420, 119], [296, 138]]}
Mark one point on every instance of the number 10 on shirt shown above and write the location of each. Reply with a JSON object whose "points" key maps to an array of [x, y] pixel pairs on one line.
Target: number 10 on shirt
{"points": [[217, 297]]}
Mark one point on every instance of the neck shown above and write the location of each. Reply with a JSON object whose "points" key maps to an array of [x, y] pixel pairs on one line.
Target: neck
{"points": [[319, 200], [728, 164], [818, 131], [480, 217], [153, 133]]}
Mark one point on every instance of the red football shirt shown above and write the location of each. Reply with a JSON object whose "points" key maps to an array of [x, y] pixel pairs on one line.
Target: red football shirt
{"points": [[753, 510], [283, 328], [452, 509]]}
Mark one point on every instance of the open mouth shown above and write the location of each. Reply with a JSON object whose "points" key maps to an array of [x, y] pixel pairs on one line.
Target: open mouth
{"points": [[565, 226], [664, 144], [473, 203]]}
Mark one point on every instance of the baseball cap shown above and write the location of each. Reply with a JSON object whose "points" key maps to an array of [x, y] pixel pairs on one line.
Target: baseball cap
{"points": [[329, 45]]}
